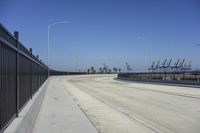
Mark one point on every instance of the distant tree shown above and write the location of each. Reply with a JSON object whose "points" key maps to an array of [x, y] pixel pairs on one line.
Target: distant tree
{"points": [[88, 71], [104, 70], [119, 69], [100, 70], [109, 71], [92, 70], [115, 70]]}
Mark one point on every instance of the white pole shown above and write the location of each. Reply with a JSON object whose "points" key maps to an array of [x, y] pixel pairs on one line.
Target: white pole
{"points": [[49, 26], [76, 64], [150, 58], [150, 53], [48, 51], [76, 57]]}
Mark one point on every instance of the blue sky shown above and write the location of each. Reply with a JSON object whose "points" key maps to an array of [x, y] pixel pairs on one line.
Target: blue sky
{"points": [[107, 31]]}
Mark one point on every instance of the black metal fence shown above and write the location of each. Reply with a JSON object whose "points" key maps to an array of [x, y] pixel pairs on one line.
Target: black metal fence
{"points": [[54, 72], [21, 75]]}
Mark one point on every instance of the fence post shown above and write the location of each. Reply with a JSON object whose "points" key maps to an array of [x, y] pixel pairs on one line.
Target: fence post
{"points": [[31, 91], [16, 34], [37, 73], [40, 73]]}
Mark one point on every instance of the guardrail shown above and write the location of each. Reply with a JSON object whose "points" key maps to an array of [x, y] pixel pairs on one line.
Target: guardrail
{"points": [[54, 72], [21, 75], [187, 77]]}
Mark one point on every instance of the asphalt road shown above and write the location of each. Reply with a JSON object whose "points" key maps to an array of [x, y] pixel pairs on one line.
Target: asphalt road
{"points": [[125, 107]]}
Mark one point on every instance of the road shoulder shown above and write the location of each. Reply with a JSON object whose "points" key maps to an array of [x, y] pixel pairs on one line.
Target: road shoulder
{"points": [[59, 113]]}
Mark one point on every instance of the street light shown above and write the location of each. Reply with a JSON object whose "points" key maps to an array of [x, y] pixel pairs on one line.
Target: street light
{"points": [[76, 57], [198, 44], [49, 26], [149, 49], [150, 54]]}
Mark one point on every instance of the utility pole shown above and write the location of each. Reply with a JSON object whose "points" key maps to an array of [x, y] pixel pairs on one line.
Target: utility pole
{"points": [[76, 56], [48, 48], [76, 63]]}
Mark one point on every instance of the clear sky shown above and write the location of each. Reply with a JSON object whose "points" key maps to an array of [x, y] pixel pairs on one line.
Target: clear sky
{"points": [[107, 31]]}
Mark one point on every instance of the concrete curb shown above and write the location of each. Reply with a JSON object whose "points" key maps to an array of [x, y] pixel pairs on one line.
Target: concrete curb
{"points": [[25, 121], [60, 113]]}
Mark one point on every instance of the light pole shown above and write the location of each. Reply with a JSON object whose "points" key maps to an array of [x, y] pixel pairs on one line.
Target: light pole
{"points": [[149, 50], [150, 55], [198, 44], [76, 56], [76, 63], [49, 27]]}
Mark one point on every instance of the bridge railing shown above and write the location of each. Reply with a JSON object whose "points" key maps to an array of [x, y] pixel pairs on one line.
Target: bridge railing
{"points": [[55, 73], [21, 75], [186, 77]]}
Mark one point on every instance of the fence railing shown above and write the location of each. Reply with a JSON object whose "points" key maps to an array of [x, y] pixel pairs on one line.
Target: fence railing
{"points": [[54, 73], [21, 75], [187, 75]]}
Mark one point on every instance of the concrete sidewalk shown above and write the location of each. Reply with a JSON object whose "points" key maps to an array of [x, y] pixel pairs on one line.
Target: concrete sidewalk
{"points": [[60, 114]]}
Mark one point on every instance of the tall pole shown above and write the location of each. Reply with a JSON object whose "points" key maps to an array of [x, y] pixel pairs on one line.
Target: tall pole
{"points": [[48, 51], [76, 56], [150, 56], [76, 64], [150, 52], [198, 45], [49, 28]]}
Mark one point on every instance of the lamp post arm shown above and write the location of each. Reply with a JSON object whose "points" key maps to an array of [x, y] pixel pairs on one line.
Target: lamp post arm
{"points": [[49, 26], [61, 22]]}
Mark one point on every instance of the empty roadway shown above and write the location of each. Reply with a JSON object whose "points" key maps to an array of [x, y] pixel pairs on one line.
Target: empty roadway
{"points": [[118, 106]]}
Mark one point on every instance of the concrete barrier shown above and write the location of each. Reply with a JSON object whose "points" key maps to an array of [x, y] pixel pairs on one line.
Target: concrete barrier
{"points": [[25, 121], [165, 82]]}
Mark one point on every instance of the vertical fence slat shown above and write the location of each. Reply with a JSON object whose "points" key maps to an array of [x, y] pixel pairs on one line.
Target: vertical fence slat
{"points": [[1, 93], [17, 72]]}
